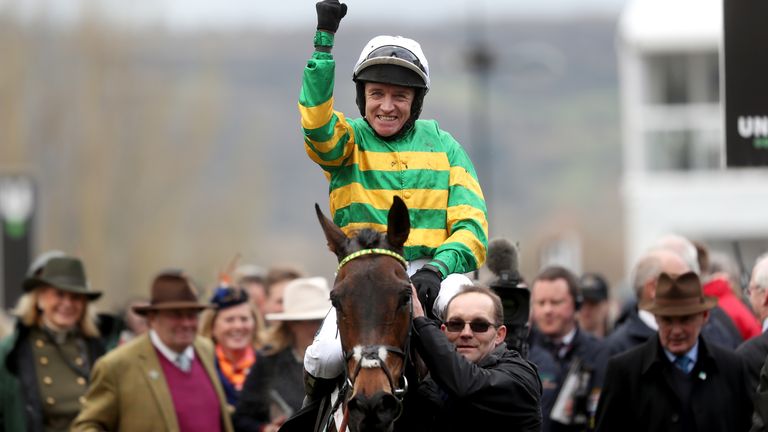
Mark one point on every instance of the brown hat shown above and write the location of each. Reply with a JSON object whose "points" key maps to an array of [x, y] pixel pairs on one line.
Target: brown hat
{"points": [[679, 296], [171, 290], [62, 272]]}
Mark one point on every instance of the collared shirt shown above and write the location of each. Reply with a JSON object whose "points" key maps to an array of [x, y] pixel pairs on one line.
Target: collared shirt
{"points": [[565, 342], [168, 353], [648, 319], [765, 325], [568, 338], [692, 354]]}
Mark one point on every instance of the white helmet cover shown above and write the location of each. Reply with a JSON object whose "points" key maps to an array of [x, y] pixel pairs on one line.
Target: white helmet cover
{"points": [[405, 52]]}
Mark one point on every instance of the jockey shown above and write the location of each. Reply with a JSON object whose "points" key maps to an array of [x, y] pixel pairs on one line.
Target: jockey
{"points": [[389, 152]]}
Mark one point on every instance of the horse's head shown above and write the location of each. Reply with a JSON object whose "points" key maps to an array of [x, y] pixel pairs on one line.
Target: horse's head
{"points": [[372, 297]]}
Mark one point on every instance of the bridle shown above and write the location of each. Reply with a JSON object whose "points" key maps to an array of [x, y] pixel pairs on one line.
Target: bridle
{"points": [[372, 356], [372, 251]]}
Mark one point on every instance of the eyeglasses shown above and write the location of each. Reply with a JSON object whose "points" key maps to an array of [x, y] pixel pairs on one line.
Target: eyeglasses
{"points": [[477, 326]]}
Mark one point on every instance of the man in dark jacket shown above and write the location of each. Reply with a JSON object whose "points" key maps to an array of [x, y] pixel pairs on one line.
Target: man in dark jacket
{"points": [[760, 416], [755, 350], [676, 381], [474, 381], [564, 353]]}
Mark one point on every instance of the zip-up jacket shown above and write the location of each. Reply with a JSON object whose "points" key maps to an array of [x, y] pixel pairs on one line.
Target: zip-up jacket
{"points": [[500, 392]]}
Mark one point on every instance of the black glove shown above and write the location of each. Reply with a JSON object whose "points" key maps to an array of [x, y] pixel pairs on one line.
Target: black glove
{"points": [[427, 282], [329, 14]]}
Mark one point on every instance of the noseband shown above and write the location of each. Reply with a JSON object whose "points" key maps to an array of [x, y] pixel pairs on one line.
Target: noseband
{"points": [[374, 356]]}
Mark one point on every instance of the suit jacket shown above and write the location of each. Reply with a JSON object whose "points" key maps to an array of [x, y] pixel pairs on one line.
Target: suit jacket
{"points": [[754, 352], [640, 394], [128, 390]]}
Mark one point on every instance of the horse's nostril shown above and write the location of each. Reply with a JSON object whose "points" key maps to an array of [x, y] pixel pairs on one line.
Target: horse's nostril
{"points": [[378, 411], [363, 404], [353, 404], [391, 404]]}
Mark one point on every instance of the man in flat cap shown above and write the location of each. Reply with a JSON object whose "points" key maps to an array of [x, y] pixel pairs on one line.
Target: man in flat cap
{"points": [[164, 379], [676, 380]]}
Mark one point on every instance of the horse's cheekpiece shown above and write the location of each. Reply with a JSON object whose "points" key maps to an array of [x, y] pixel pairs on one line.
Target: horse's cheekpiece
{"points": [[374, 315]]}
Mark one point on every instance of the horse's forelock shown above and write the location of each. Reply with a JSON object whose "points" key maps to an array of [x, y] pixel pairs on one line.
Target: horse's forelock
{"points": [[368, 238]]}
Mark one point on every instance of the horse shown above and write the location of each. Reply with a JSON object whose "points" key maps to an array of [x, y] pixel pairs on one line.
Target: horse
{"points": [[372, 297]]}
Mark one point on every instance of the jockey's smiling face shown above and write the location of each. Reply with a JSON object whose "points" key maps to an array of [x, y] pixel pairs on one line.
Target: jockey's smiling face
{"points": [[387, 107]]}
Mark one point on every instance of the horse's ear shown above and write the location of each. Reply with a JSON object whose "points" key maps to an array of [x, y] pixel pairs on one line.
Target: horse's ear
{"points": [[335, 236], [398, 223]]}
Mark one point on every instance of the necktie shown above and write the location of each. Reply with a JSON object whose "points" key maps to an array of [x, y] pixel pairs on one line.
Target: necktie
{"points": [[183, 363], [683, 363], [559, 350]]}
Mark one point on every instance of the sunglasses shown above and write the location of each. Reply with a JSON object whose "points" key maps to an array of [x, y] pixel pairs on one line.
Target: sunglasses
{"points": [[477, 326]]}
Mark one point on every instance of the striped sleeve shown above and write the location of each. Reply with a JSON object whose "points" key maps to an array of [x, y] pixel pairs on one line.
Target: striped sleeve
{"points": [[328, 137], [467, 218]]}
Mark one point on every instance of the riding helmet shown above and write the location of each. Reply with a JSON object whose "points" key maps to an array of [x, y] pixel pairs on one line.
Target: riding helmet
{"points": [[393, 60]]}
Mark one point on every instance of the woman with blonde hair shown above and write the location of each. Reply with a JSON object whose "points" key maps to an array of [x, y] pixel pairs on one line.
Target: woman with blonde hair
{"points": [[46, 362], [275, 387], [233, 326]]}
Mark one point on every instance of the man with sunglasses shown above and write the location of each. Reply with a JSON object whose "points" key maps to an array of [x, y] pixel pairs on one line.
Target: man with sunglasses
{"points": [[474, 381], [390, 152]]}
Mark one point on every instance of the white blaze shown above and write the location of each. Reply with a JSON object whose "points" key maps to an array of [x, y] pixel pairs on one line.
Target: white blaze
{"points": [[357, 353]]}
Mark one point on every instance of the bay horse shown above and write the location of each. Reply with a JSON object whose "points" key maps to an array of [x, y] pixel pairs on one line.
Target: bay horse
{"points": [[372, 297]]}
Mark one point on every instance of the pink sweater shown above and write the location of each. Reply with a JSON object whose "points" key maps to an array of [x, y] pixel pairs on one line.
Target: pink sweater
{"points": [[194, 397]]}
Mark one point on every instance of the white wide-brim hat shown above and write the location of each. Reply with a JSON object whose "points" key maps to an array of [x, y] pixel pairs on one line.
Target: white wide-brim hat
{"points": [[304, 299]]}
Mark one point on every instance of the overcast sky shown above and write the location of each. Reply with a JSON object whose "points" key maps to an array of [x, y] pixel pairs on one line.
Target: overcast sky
{"points": [[186, 14], [190, 12]]}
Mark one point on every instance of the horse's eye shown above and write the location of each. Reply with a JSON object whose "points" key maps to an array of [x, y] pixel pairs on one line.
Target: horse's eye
{"points": [[405, 298]]}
